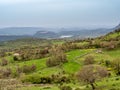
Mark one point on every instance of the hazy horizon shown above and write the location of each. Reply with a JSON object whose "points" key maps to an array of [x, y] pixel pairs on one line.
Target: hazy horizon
{"points": [[59, 13]]}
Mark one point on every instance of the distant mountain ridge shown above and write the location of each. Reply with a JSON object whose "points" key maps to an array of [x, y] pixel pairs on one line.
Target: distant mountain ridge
{"points": [[117, 27], [12, 37], [45, 34], [14, 33], [19, 30]]}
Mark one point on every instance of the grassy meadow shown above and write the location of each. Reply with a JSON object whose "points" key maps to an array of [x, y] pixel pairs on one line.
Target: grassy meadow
{"points": [[32, 72]]}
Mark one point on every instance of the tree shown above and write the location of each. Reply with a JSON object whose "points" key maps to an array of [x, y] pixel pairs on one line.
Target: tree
{"points": [[116, 66], [57, 57], [89, 74], [89, 60], [4, 62], [108, 45]]}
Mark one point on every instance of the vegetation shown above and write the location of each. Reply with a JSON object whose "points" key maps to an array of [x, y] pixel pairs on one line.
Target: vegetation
{"points": [[89, 60], [54, 64], [57, 57], [89, 74], [116, 66]]}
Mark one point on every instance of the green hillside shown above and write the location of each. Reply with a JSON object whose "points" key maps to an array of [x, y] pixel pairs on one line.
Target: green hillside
{"points": [[35, 74]]}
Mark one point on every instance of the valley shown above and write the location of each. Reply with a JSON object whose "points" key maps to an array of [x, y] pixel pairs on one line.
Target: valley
{"points": [[42, 64], [13, 33]]}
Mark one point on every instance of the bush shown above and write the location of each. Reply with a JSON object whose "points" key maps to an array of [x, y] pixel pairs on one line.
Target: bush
{"points": [[108, 45], [65, 88], [30, 53], [117, 79], [25, 69], [89, 60], [60, 79], [36, 79], [77, 89], [28, 69], [89, 74], [58, 57], [45, 80], [33, 67], [4, 62], [107, 63], [116, 65], [15, 58], [7, 72]]}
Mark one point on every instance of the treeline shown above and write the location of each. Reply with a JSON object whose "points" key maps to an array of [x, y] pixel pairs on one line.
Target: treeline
{"points": [[24, 54]]}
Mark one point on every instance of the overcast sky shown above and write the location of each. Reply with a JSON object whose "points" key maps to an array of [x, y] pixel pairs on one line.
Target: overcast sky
{"points": [[59, 13]]}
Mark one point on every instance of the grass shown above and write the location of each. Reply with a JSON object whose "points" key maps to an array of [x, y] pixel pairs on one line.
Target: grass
{"points": [[75, 53], [70, 68], [39, 88], [114, 53], [111, 83], [41, 63], [112, 36]]}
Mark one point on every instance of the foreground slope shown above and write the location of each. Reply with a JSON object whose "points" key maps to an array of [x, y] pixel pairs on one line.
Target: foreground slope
{"points": [[75, 62]]}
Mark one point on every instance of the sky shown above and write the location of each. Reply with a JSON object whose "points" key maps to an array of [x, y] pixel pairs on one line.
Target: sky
{"points": [[59, 13]]}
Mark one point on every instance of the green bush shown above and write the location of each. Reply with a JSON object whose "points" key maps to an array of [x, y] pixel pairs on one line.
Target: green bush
{"points": [[77, 89], [89, 60], [36, 79], [4, 62], [65, 88], [6, 72], [58, 57], [28, 69]]}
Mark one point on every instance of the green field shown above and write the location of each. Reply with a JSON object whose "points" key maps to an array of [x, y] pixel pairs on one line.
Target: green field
{"points": [[75, 52], [75, 62]]}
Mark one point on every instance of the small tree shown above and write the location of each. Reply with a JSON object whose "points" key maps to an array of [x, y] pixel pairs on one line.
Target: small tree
{"points": [[57, 57], [89, 60], [6, 72], [4, 62], [108, 45], [65, 88], [90, 73], [116, 66]]}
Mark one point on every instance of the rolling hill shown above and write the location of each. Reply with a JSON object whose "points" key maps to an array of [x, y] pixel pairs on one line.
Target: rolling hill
{"points": [[14, 33], [75, 62]]}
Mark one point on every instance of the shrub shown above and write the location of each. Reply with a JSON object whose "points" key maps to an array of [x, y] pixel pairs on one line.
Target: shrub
{"points": [[89, 74], [107, 63], [37, 79], [60, 79], [89, 60], [77, 89], [45, 80], [117, 79], [28, 69], [6, 72], [116, 66], [24, 69], [19, 70], [33, 67], [34, 79], [108, 45], [58, 57], [16, 58], [4, 62], [65, 88]]}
